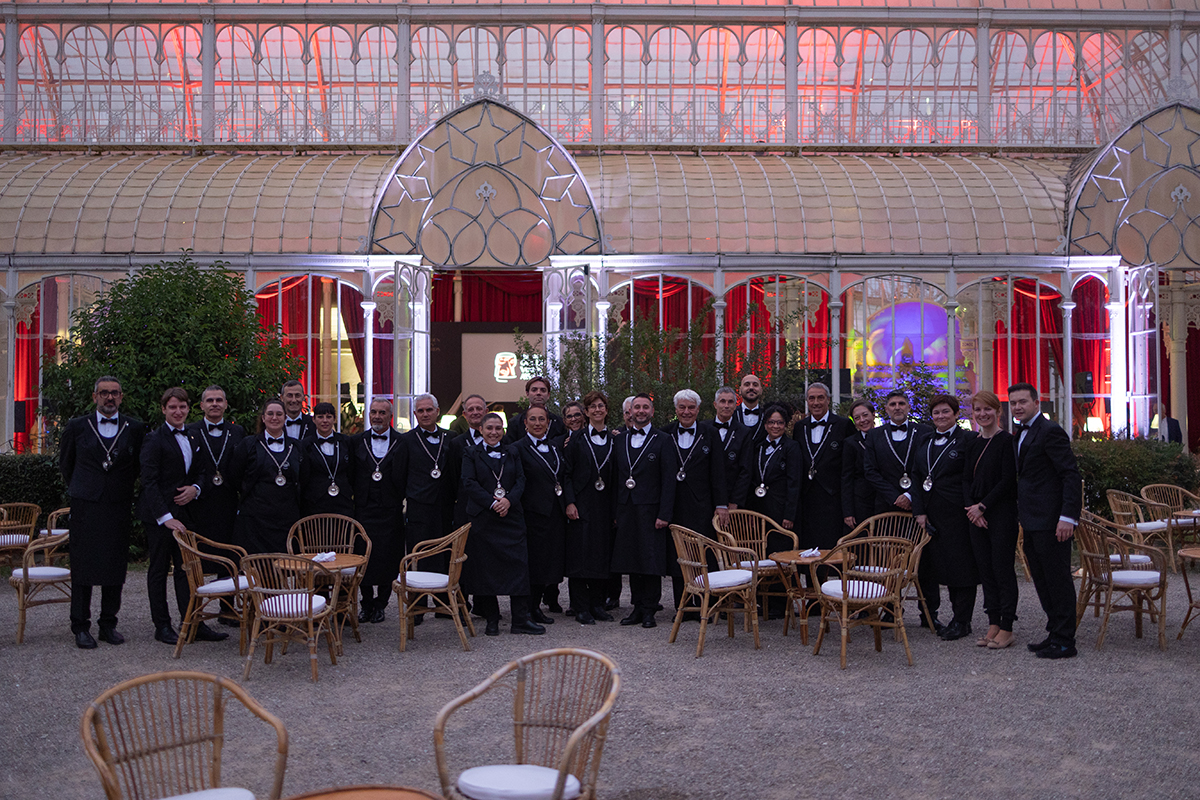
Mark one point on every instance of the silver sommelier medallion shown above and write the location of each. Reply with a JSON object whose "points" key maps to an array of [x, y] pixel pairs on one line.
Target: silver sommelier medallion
{"points": [[630, 483], [599, 484], [928, 484], [280, 480], [376, 476], [761, 491], [905, 481], [217, 480], [435, 473], [333, 490]]}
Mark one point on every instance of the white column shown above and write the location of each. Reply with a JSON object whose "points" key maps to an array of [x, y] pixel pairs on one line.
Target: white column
{"points": [[208, 75], [12, 52], [1179, 337], [835, 349], [8, 428], [983, 72], [368, 311], [403, 88], [596, 89], [791, 72], [1068, 308], [1118, 344]]}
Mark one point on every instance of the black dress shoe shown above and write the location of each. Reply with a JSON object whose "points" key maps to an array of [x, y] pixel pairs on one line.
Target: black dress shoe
{"points": [[554, 607], [1057, 651], [1037, 647], [84, 641], [112, 636], [937, 626], [585, 618], [377, 617], [955, 630], [571, 611], [600, 615], [611, 603], [364, 614], [166, 634], [649, 622], [528, 627], [537, 616], [207, 634], [493, 628], [634, 618]]}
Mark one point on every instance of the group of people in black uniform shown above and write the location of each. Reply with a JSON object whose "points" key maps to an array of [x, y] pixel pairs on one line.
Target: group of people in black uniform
{"points": [[552, 496]]}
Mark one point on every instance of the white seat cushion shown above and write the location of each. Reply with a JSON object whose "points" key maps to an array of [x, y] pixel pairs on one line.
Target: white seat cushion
{"points": [[1133, 558], [514, 782], [292, 605], [14, 540], [1151, 526], [223, 793], [43, 573], [223, 586], [55, 532], [1134, 578], [859, 590], [348, 572], [726, 578], [766, 563], [415, 579]]}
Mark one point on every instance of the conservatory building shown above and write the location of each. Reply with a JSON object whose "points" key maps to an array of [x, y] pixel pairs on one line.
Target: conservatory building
{"points": [[1005, 190]]}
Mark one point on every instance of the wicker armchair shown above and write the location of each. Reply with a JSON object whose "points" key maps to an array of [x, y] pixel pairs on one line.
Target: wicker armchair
{"points": [[905, 526], [161, 735], [751, 530], [285, 593], [1116, 567], [32, 578], [1149, 519], [412, 586], [335, 533], [18, 527], [562, 700], [1182, 504], [229, 593], [729, 590], [864, 586]]}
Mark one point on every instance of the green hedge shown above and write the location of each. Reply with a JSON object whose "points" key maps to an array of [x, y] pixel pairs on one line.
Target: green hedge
{"points": [[1128, 465], [36, 479]]}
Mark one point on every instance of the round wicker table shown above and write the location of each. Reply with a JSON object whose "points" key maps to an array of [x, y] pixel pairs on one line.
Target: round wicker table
{"points": [[368, 793]]}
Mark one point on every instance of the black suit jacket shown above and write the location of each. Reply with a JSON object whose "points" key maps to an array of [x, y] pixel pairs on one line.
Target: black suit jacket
{"points": [[1048, 482], [163, 473], [215, 511], [828, 461], [81, 456], [374, 498], [418, 456], [704, 486], [781, 477], [516, 428], [540, 478], [731, 451], [858, 495], [307, 427], [884, 470], [654, 472], [757, 431], [314, 494]]}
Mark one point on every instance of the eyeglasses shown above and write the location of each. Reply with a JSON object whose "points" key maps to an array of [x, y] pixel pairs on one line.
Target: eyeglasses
{"points": [[574, 415], [108, 393]]}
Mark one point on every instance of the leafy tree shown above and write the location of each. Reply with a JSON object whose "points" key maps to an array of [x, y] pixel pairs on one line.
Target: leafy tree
{"points": [[171, 324]]}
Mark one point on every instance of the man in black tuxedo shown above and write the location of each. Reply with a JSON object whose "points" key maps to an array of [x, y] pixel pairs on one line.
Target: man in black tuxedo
{"points": [[888, 461], [700, 488], [821, 435], [547, 496], [1168, 429], [171, 482], [537, 392], [469, 425], [749, 412], [99, 458], [327, 482], [296, 424], [432, 466], [1049, 501], [733, 434], [377, 467], [645, 470]]}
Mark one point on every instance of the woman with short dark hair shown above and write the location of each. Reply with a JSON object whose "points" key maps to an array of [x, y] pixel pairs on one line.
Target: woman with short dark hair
{"points": [[268, 470]]}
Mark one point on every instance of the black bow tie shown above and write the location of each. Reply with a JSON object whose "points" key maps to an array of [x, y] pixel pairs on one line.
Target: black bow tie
{"points": [[691, 431], [179, 432], [274, 441], [216, 426], [901, 427], [296, 421], [750, 411], [721, 426], [1021, 426], [601, 434], [107, 421], [491, 449], [378, 435], [818, 423]]}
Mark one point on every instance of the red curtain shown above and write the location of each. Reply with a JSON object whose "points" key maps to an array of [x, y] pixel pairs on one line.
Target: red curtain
{"points": [[1193, 398], [301, 313], [490, 297], [1033, 305], [352, 321], [1089, 353], [762, 292], [31, 346]]}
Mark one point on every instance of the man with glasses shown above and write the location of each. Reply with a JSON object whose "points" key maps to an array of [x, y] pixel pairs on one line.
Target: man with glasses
{"points": [[99, 455]]}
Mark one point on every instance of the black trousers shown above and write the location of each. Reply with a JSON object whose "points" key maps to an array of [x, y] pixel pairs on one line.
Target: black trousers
{"points": [[488, 607], [644, 592], [162, 554], [1050, 566], [81, 606], [376, 596], [962, 599], [995, 554], [587, 594]]}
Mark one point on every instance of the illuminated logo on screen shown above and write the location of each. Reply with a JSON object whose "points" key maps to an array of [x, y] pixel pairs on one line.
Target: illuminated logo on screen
{"points": [[505, 367]]}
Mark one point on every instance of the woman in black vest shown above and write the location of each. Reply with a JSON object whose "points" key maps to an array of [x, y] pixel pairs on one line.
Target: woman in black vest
{"points": [[268, 469]]}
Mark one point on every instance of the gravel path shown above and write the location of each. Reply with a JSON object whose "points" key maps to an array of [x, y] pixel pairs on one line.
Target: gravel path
{"points": [[774, 723]]}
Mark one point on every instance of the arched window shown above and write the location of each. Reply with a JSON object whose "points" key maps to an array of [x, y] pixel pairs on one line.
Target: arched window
{"points": [[792, 311]]}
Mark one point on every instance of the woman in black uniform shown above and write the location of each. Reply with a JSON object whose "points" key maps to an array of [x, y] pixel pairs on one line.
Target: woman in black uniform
{"points": [[769, 481], [497, 553], [328, 484], [990, 496], [590, 518], [937, 504], [858, 496], [268, 469]]}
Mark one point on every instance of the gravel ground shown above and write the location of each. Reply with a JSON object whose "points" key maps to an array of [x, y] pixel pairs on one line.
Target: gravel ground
{"points": [[774, 723]]}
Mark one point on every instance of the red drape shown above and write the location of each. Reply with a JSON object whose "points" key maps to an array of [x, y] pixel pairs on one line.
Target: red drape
{"points": [[676, 293], [1032, 306], [31, 346], [762, 291], [352, 321], [1089, 353], [301, 313], [490, 297]]}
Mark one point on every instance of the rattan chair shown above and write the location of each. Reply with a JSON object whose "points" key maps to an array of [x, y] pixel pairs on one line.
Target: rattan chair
{"points": [[905, 526], [162, 735], [42, 570], [1117, 567], [1180, 501], [335, 533], [750, 529], [285, 595], [864, 586], [18, 527], [561, 703], [201, 557], [1151, 521], [412, 586], [731, 589]]}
